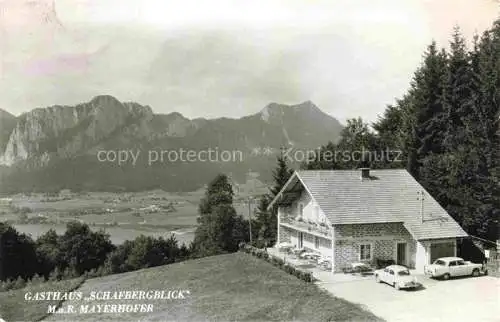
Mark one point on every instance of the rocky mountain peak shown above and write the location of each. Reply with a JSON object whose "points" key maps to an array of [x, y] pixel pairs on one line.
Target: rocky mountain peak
{"points": [[66, 130], [276, 112], [308, 106], [58, 139], [272, 111], [104, 99], [176, 116]]}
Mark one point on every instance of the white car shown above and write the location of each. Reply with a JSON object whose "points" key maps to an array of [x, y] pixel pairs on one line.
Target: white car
{"points": [[447, 267], [397, 276]]}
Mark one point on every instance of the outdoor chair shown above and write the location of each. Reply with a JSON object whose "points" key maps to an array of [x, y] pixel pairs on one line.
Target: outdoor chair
{"points": [[325, 262], [358, 268], [298, 251], [382, 263], [311, 257], [285, 248]]}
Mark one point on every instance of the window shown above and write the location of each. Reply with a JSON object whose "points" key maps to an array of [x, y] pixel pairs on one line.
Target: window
{"points": [[440, 263], [453, 263], [301, 210], [404, 273], [461, 262], [316, 242], [365, 252], [391, 272]]}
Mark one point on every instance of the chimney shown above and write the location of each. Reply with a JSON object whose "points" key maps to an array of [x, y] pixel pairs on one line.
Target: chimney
{"points": [[365, 173]]}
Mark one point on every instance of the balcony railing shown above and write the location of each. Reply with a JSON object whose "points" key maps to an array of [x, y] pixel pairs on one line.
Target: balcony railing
{"points": [[287, 217], [303, 224]]}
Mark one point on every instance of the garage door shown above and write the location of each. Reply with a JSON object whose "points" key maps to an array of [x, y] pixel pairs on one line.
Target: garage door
{"points": [[442, 250]]}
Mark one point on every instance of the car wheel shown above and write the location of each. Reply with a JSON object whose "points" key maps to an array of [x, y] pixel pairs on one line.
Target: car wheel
{"points": [[377, 279], [446, 276], [475, 272]]}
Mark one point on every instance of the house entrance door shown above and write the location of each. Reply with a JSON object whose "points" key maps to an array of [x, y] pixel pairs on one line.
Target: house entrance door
{"points": [[401, 254]]}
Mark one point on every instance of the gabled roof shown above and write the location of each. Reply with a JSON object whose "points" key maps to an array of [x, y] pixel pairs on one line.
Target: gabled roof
{"points": [[390, 195]]}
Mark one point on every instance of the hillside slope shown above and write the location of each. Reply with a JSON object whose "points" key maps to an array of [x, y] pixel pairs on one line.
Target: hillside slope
{"points": [[233, 287]]}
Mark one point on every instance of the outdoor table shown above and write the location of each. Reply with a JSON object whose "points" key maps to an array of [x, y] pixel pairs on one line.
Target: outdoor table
{"points": [[285, 247], [297, 252], [325, 264], [310, 255]]}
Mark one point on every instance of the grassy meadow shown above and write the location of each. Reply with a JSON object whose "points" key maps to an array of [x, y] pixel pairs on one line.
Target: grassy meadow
{"points": [[13, 306], [233, 287]]}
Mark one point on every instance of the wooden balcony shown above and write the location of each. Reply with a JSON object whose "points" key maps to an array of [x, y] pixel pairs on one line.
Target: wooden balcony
{"points": [[314, 228]]}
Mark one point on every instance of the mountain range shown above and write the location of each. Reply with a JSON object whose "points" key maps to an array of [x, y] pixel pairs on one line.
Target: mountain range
{"points": [[77, 147]]}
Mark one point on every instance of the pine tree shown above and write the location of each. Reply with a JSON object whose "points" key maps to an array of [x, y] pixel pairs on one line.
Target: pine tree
{"points": [[403, 136], [219, 228], [266, 221], [219, 191], [463, 176], [488, 71], [423, 115], [459, 96], [281, 174], [356, 148], [389, 125], [484, 125], [450, 131], [389, 136], [325, 158]]}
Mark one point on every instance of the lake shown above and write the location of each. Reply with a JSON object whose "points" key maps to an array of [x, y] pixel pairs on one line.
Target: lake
{"points": [[117, 234]]}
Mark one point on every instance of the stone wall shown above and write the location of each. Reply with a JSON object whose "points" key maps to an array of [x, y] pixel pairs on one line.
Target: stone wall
{"points": [[285, 235], [383, 239]]}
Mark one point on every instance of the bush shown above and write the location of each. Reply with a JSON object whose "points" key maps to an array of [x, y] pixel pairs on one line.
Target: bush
{"points": [[18, 254], [278, 262], [55, 275], [36, 279], [19, 283], [70, 273], [281, 263], [7, 285], [289, 269], [100, 271]]}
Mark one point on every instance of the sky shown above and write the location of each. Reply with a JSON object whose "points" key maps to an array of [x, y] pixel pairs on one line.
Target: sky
{"points": [[223, 58]]}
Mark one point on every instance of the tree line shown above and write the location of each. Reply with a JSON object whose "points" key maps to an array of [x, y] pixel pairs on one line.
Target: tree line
{"points": [[80, 251], [447, 128]]}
